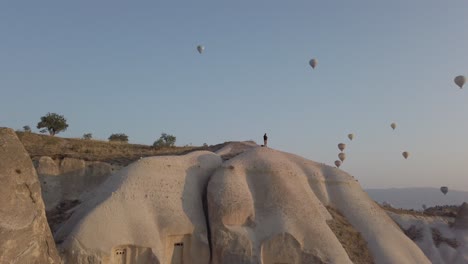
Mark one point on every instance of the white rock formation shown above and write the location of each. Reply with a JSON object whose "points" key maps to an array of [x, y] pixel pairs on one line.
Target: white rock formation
{"points": [[443, 253], [154, 203], [264, 198], [69, 178], [262, 206]]}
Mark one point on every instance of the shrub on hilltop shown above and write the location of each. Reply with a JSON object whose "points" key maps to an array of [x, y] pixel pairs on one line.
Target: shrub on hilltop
{"points": [[165, 141], [88, 136], [118, 137]]}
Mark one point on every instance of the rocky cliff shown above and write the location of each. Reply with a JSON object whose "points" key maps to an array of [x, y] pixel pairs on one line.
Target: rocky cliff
{"points": [[25, 236], [444, 240], [68, 178], [260, 206]]}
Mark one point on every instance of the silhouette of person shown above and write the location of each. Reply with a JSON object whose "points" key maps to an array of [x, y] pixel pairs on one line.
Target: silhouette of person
{"points": [[265, 139]]}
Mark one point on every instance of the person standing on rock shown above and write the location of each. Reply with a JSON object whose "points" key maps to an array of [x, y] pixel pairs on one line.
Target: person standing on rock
{"points": [[265, 139]]}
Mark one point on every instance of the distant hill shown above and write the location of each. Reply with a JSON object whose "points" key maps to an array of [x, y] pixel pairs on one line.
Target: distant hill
{"points": [[414, 198], [93, 150], [120, 153]]}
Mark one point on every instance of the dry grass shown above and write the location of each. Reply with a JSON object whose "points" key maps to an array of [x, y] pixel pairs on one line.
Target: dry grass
{"points": [[351, 240], [119, 153], [402, 211], [445, 211], [93, 150]]}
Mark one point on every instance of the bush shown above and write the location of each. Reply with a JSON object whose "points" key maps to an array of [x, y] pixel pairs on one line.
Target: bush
{"points": [[118, 137], [414, 233], [88, 136], [165, 141], [27, 129], [53, 123], [438, 238]]}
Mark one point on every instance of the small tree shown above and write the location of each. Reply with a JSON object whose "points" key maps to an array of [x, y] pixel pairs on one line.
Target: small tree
{"points": [[87, 136], [27, 129], [53, 123], [118, 137], [165, 141]]}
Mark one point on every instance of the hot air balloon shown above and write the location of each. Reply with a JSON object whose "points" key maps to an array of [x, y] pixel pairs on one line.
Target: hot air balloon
{"points": [[444, 189], [405, 154], [342, 146], [342, 156], [393, 126], [313, 63], [350, 136], [460, 80], [200, 49], [337, 163]]}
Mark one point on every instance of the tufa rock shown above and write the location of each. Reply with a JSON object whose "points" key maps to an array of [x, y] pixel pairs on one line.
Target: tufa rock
{"points": [[154, 203], [25, 236], [69, 178]]}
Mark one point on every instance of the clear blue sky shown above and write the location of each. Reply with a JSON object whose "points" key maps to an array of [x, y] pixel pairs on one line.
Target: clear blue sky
{"points": [[132, 67]]}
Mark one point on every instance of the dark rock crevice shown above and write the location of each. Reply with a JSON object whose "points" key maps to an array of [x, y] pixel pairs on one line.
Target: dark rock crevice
{"points": [[30, 193], [207, 218]]}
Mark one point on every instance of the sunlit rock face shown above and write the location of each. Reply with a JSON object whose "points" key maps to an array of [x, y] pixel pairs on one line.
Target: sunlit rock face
{"points": [[267, 206], [257, 206], [153, 203], [68, 179], [25, 236]]}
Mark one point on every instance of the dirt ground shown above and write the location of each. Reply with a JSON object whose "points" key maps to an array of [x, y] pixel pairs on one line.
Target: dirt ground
{"points": [[350, 238]]}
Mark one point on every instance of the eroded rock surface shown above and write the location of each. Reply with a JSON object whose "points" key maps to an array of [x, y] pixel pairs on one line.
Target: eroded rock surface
{"points": [[441, 243], [25, 236], [69, 178], [264, 196], [155, 202], [259, 206]]}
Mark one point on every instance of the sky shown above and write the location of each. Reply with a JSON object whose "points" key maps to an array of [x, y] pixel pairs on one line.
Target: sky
{"points": [[132, 67]]}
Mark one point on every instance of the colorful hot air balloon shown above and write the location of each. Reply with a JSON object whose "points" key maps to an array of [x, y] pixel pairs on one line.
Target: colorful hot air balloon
{"points": [[350, 136], [460, 80], [393, 126], [341, 146], [337, 163]]}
